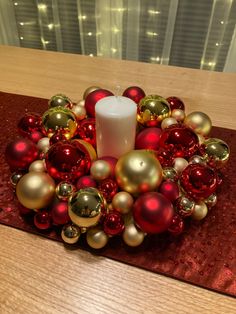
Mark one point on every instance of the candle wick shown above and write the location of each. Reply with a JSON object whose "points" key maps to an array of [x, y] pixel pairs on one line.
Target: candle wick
{"points": [[118, 89]]}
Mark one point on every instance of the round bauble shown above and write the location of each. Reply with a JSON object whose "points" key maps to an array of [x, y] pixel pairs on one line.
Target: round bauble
{"points": [[89, 90], [175, 103], [138, 171], [96, 238], [122, 202], [200, 211], [108, 188], [178, 114], [60, 100], [184, 206], [168, 122], [148, 138], [43, 144], [64, 190], [100, 170], [42, 220], [211, 200], [35, 136], [170, 173], [135, 93], [59, 213], [217, 152], [79, 112], [70, 234], [112, 162], [180, 164], [113, 223], [177, 225], [87, 131], [133, 236], [38, 166], [86, 182], [31, 122], [170, 190], [93, 98], [199, 122], [35, 190]]}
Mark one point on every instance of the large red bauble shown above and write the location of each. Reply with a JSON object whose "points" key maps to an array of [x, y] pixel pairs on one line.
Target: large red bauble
{"points": [[112, 162], [170, 190], [87, 131], [148, 139], [175, 103], [153, 212], [108, 188], [67, 160], [93, 98], [180, 140], [199, 181], [21, 153], [113, 223], [135, 93], [42, 220], [29, 123], [86, 182], [59, 213]]}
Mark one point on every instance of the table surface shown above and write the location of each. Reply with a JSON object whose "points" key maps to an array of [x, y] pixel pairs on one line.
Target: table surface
{"points": [[41, 276]]}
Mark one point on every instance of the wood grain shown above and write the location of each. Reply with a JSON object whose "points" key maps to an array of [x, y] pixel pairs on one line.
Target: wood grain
{"points": [[41, 276]]}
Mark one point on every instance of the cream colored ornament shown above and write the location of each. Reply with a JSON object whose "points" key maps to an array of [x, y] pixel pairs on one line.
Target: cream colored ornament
{"points": [[200, 211], [122, 202], [100, 170], [168, 122], [178, 114], [43, 144], [132, 236], [79, 112], [180, 164], [38, 166]]}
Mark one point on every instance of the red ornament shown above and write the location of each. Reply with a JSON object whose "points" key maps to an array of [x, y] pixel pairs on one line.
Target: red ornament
{"points": [[175, 103], [153, 212], [57, 137], [21, 153], [177, 225], [135, 93], [112, 162], [108, 188], [42, 220], [199, 181], [165, 157], [148, 139], [86, 182], [113, 223], [35, 136], [180, 140], [29, 123], [67, 160], [87, 131], [59, 213], [93, 98], [170, 190]]}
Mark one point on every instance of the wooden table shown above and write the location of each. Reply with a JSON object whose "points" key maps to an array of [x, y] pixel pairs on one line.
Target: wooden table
{"points": [[41, 276]]}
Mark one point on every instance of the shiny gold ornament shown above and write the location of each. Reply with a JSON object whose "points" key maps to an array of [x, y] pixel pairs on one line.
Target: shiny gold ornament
{"points": [[122, 202], [90, 149], [64, 190], [132, 236], [168, 122], [100, 170], [15, 178], [90, 90], [59, 118], [60, 100], [70, 234], [79, 112], [35, 190], [169, 173], [180, 164], [196, 159], [43, 144], [38, 166], [200, 211], [178, 114], [96, 238], [217, 151], [86, 207], [201, 139], [152, 109], [199, 122], [138, 171], [211, 200]]}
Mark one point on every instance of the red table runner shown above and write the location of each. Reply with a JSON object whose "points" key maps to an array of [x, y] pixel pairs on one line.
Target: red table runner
{"points": [[204, 255]]}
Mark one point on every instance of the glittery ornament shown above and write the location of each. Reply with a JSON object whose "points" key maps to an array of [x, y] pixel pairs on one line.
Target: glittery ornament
{"points": [[175, 103], [87, 131], [108, 188], [42, 220], [92, 98], [152, 109], [60, 100], [148, 139], [177, 225], [135, 93], [113, 223]]}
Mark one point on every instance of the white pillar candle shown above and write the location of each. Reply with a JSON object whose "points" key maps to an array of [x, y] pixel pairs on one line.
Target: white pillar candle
{"points": [[115, 125]]}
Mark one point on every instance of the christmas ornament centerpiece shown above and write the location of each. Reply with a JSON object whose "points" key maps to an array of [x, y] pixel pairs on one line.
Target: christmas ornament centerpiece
{"points": [[125, 166]]}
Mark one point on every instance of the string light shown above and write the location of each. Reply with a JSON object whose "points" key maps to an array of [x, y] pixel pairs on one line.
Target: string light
{"points": [[91, 55], [222, 22], [50, 26], [118, 9], [44, 42], [153, 12], [90, 34], [15, 3], [114, 50], [211, 64], [21, 23], [21, 37], [157, 59], [82, 17], [115, 30], [217, 44], [152, 34], [42, 7]]}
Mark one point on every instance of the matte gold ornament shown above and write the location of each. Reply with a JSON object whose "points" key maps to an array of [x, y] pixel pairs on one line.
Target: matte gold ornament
{"points": [[178, 114], [79, 112], [100, 170], [180, 164], [200, 211], [199, 122], [59, 118], [43, 144], [168, 122], [60, 100], [64, 190], [132, 236], [152, 109], [90, 90], [35, 190], [86, 207], [38, 166], [96, 238], [138, 171], [217, 152], [122, 202], [70, 234]]}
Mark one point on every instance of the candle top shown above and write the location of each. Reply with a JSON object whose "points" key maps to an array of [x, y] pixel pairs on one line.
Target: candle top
{"points": [[115, 106]]}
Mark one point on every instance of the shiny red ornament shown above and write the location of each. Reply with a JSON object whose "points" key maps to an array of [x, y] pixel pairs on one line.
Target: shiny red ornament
{"points": [[42, 220], [87, 131], [177, 225], [153, 212], [57, 137], [20, 153], [165, 157], [170, 190], [180, 140], [148, 139], [199, 181], [35, 136], [93, 98], [112, 162], [29, 123], [59, 213], [67, 160], [135, 93], [175, 103], [113, 223], [86, 182], [108, 188]]}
